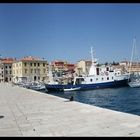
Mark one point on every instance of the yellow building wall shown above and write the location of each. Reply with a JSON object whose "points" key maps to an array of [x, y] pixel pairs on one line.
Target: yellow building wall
{"points": [[23, 69]]}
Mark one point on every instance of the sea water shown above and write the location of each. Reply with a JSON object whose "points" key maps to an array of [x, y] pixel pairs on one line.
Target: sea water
{"points": [[123, 99]]}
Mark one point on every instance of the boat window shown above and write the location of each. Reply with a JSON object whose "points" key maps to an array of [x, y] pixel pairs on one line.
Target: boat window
{"points": [[102, 78], [107, 78], [90, 80], [96, 79], [115, 73], [107, 68], [79, 81], [112, 77]]}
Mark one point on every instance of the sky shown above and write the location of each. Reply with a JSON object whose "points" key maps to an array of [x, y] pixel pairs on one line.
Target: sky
{"points": [[64, 31]]}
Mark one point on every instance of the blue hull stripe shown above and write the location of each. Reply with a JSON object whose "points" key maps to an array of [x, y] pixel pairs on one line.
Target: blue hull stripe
{"points": [[88, 86]]}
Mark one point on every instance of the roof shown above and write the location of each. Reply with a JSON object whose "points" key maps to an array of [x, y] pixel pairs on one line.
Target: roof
{"points": [[7, 60], [29, 58]]}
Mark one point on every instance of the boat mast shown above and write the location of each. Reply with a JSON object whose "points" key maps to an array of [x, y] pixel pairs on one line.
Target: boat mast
{"points": [[92, 70], [134, 45], [92, 57]]}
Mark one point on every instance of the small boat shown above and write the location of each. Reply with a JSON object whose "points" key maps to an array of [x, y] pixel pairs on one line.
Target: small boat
{"points": [[72, 89], [135, 84]]}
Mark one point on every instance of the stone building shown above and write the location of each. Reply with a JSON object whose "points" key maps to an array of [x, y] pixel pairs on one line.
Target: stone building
{"points": [[30, 69], [6, 69]]}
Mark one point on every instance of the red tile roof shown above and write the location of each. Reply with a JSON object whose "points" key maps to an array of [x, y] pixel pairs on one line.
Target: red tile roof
{"points": [[29, 58], [7, 60]]}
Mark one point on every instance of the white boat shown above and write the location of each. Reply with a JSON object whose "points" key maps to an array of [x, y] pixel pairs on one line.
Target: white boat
{"points": [[98, 77], [134, 84], [134, 77], [72, 89]]}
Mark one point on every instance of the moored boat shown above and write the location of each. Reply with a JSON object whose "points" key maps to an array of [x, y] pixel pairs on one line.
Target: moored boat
{"points": [[98, 77], [134, 76]]}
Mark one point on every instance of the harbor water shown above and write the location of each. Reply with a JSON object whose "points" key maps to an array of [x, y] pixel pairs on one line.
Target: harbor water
{"points": [[123, 99]]}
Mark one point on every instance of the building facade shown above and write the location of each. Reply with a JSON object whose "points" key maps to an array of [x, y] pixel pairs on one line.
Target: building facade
{"points": [[6, 69], [63, 71], [82, 67], [30, 69], [135, 66]]}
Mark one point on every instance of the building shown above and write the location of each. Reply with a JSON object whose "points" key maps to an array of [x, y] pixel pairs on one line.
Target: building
{"points": [[135, 66], [6, 69], [63, 71], [30, 69], [82, 67]]}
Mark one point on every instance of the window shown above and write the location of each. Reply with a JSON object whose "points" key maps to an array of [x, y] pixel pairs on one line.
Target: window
{"points": [[34, 64], [38, 64], [25, 64], [102, 79], [90, 80], [26, 71], [9, 67], [6, 72], [112, 77], [35, 70], [10, 72], [43, 64], [43, 79], [107, 78], [44, 70], [96, 79], [31, 64], [38, 78], [38, 71], [6, 67], [31, 70]]}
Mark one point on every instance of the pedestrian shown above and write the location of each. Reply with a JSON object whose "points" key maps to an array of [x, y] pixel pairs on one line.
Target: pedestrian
{"points": [[71, 98]]}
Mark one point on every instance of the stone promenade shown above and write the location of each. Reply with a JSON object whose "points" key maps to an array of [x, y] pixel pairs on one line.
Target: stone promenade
{"points": [[24, 112]]}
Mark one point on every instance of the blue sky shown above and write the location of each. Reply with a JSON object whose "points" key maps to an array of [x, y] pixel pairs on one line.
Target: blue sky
{"points": [[67, 31]]}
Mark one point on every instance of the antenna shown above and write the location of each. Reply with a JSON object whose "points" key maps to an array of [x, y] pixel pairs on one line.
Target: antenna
{"points": [[92, 57]]}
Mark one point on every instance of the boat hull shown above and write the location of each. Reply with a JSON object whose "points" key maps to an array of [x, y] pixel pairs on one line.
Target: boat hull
{"points": [[113, 84], [134, 84]]}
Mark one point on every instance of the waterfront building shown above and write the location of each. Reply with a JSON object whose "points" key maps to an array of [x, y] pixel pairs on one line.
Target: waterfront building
{"points": [[62, 71], [6, 69], [135, 66], [82, 67], [30, 69]]}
